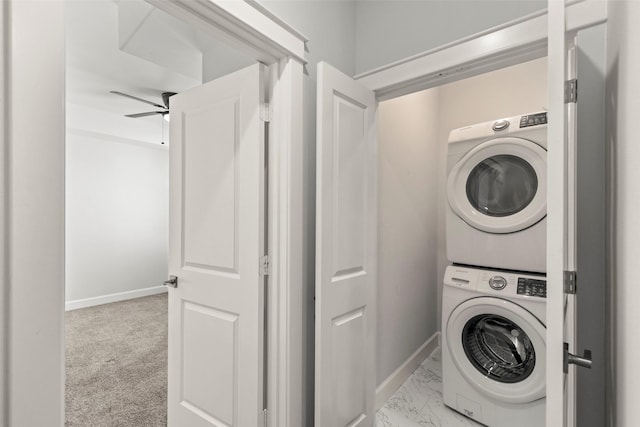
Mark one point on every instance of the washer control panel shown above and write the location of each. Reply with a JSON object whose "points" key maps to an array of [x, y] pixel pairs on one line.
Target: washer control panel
{"points": [[533, 120], [502, 283], [532, 287]]}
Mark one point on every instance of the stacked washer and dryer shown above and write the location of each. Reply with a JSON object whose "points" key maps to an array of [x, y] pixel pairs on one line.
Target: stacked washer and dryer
{"points": [[494, 306]]}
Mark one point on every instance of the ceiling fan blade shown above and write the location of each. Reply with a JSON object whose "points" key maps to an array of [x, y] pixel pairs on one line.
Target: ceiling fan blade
{"points": [[150, 113], [137, 99]]}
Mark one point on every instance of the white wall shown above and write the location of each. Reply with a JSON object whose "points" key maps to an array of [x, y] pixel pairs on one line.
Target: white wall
{"points": [[407, 227], [507, 92], [117, 190], [623, 134], [388, 31], [116, 217]]}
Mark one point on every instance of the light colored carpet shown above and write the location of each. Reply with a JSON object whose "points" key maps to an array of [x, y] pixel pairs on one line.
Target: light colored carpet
{"points": [[116, 364]]}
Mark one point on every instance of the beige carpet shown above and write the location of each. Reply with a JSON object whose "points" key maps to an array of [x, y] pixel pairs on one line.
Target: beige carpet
{"points": [[116, 364]]}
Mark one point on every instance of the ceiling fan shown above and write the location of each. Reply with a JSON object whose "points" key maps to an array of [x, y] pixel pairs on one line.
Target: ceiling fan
{"points": [[164, 108]]}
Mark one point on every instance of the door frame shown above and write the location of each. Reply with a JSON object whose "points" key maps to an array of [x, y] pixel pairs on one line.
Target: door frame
{"points": [[514, 42], [521, 40], [32, 218]]}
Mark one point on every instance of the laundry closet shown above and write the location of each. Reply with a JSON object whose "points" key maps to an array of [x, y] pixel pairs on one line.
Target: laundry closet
{"points": [[413, 131], [412, 136]]}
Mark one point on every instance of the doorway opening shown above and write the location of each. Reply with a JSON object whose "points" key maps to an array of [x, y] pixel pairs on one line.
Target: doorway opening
{"points": [[117, 200], [413, 131], [590, 218]]}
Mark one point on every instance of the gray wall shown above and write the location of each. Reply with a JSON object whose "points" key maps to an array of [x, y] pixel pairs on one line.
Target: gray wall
{"points": [[623, 134], [591, 224], [407, 227], [388, 31]]}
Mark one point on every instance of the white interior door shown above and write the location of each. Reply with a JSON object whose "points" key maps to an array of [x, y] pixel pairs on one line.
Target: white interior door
{"points": [[345, 377], [216, 242], [561, 222]]}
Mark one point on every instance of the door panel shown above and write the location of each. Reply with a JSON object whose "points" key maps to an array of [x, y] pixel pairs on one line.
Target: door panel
{"points": [[216, 241], [210, 176], [561, 242], [346, 252]]}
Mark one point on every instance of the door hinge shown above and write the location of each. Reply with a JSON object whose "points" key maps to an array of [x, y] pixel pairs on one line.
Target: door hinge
{"points": [[265, 420], [266, 112], [571, 91], [570, 282], [265, 265]]}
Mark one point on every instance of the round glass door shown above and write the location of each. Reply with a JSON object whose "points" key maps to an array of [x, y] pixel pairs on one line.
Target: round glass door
{"points": [[500, 185], [498, 348]]}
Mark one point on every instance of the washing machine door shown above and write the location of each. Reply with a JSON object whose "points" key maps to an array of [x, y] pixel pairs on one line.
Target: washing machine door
{"points": [[500, 185], [499, 348]]}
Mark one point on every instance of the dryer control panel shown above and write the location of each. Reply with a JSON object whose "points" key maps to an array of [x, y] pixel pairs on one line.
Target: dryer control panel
{"points": [[501, 283], [532, 287], [533, 120]]}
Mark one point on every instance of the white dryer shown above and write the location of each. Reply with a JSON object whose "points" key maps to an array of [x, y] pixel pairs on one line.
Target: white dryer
{"points": [[496, 191], [493, 346]]}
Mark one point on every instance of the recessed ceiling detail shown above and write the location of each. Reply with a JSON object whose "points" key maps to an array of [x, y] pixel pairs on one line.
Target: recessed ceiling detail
{"points": [[133, 48], [155, 36]]}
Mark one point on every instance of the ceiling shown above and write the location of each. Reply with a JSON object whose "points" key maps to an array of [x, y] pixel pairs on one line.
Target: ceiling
{"points": [[132, 47]]}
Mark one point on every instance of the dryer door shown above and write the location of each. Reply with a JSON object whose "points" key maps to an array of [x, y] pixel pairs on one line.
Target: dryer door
{"points": [[499, 347], [500, 185]]}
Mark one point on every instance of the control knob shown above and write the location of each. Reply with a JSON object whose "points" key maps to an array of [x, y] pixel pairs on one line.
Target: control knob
{"points": [[501, 125], [498, 283]]}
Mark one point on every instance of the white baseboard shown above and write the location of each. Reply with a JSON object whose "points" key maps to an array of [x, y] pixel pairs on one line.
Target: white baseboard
{"points": [[120, 296], [400, 375]]}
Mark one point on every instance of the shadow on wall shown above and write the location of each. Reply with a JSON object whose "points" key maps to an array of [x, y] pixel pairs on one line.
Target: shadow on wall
{"points": [[591, 224], [611, 100]]}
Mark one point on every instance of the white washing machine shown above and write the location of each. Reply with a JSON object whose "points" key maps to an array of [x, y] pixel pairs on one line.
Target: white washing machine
{"points": [[496, 190], [493, 346]]}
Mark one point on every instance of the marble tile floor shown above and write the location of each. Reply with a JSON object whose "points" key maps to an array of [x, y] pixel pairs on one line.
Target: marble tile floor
{"points": [[418, 402]]}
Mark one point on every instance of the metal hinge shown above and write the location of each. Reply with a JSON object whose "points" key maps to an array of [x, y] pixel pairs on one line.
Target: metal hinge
{"points": [[570, 282], [266, 112], [571, 91], [266, 417], [265, 265]]}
